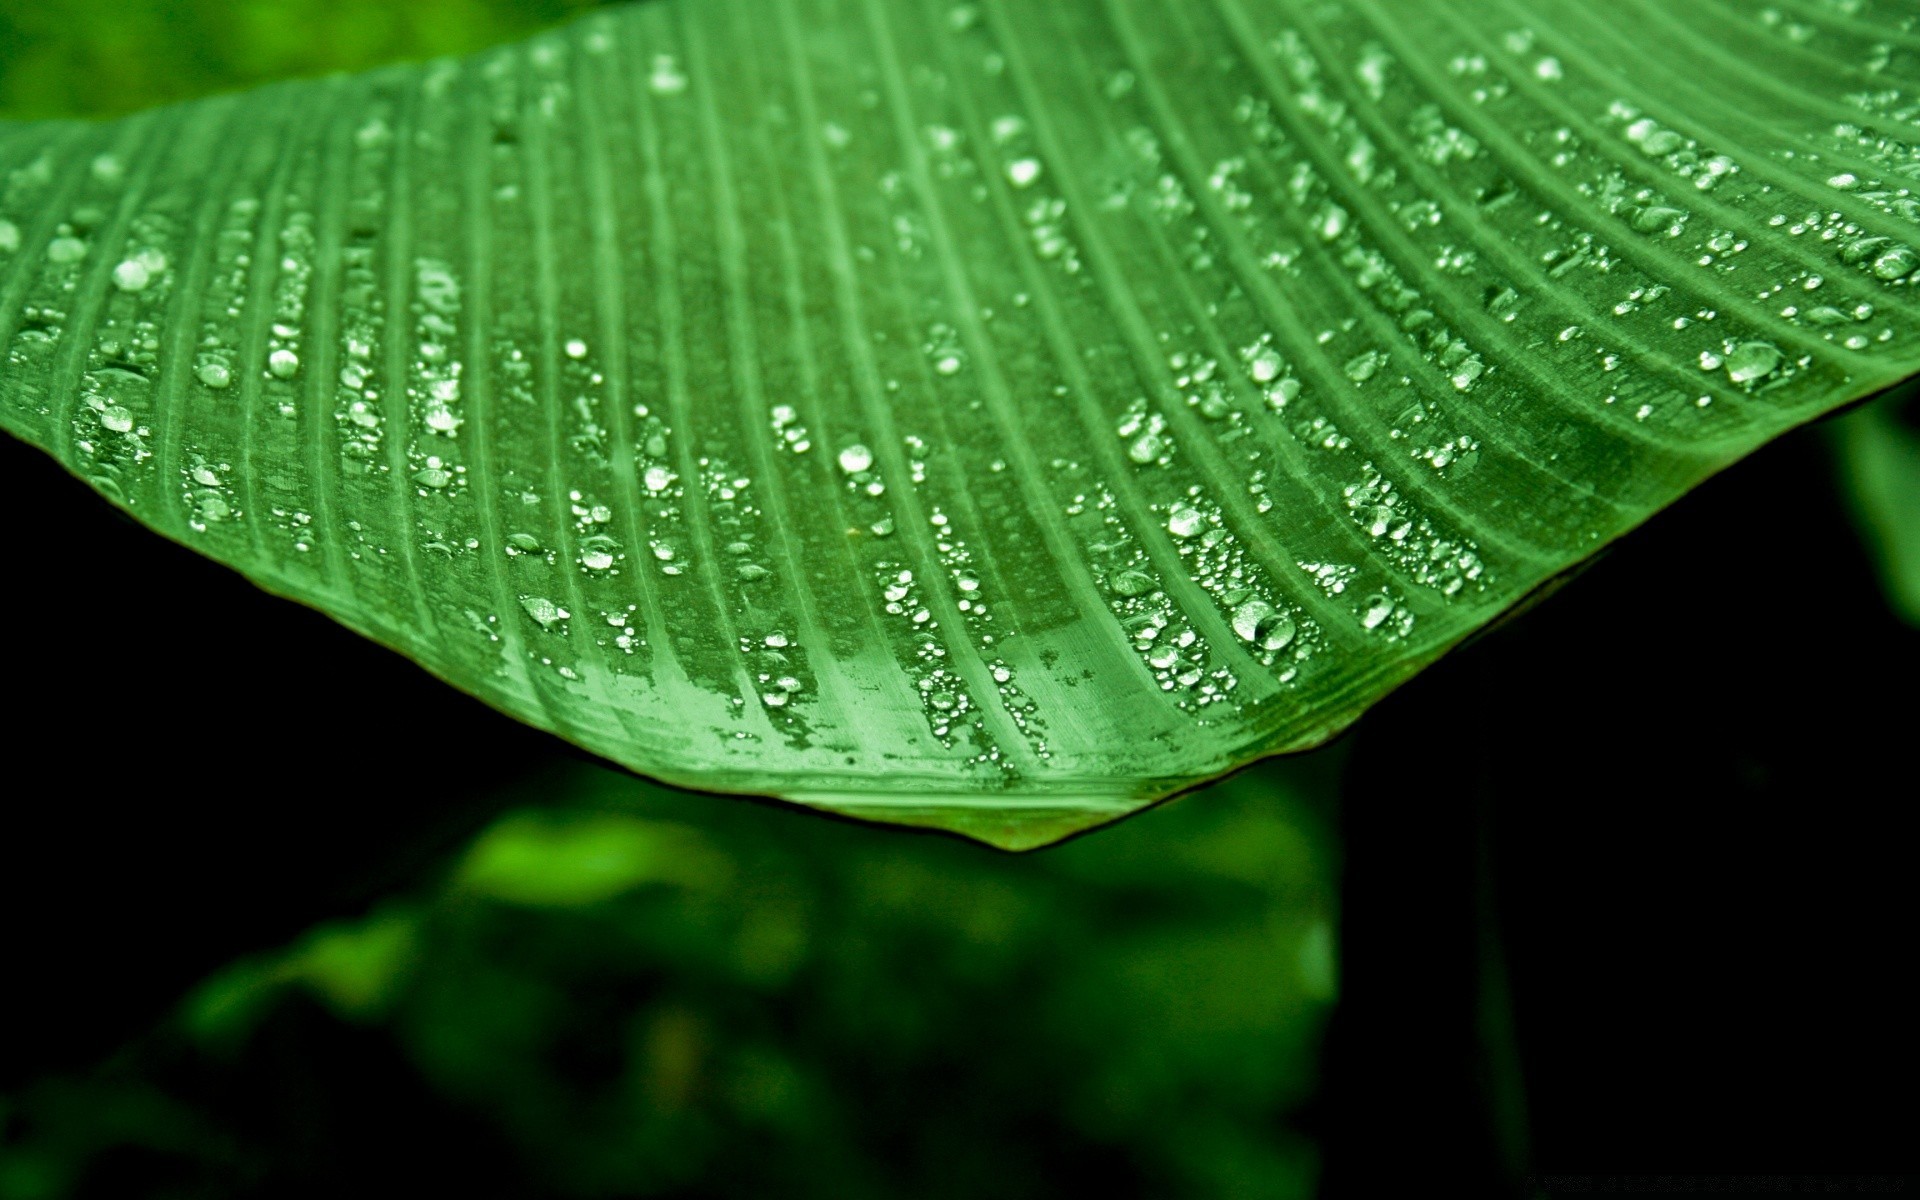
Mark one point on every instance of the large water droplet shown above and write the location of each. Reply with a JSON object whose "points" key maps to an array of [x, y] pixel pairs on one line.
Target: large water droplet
{"points": [[543, 610], [1132, 583], [1258, 622], [132, 275], [1751, 361], [1022, 172], [1185, 521], [855, 459]]}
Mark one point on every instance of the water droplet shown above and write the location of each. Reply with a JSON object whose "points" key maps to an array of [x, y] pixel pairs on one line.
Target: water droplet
{"points": [[1751, 361], [9, 237], [1264, 365], [667, 79], [66, 250], [598, 553], [855, 459], [1022, 172], [1657, 217], [1897, 263], [132, 275], [576, 349], [1185, 521], [657, 478], [1132, 583], [776, 641], [543, 610], [215, 374], [522, 543], [284, 364], [117, 419], [1258, 622]]}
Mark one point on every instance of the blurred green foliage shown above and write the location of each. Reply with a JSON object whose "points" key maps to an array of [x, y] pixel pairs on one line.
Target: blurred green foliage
{"points": [[1879, 448], [647, 993], [102, 57]]}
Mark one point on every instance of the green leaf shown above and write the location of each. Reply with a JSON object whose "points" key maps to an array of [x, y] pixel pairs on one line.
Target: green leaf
{"points": [[994, 416], [1880, 458]]}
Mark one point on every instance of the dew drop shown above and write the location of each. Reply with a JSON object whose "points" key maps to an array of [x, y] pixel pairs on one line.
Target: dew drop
{"points": [[284, 364], [64, 250], [1379, 608], [1022, 172], [855, 459], [543, 610], [1264, 366], [1185, 521], [117, 419], [132, 275], [1751, 361], [667, 79], [576, 349], [1897, 263], [9, 237], [1258, 622], [1132, 583], [215, 374], [658, 479]]}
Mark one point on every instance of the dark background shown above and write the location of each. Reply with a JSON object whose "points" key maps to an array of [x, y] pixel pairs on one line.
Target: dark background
{"points": [[1623, 887]]}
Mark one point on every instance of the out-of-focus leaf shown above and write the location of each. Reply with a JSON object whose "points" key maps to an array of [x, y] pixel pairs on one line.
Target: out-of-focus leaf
{"points": [[1880, 450], [989, 415]]}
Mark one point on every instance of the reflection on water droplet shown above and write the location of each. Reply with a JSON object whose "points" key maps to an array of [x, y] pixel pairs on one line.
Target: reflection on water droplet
{"points": [[1132, 583], [1185, 521], [117, 419], [1022, 172], [1751, 361], [855, 459], [667, 79], [1897, 263], [1379, 608], [132, 275], [284, 364], [543, 610], [215, 374]]}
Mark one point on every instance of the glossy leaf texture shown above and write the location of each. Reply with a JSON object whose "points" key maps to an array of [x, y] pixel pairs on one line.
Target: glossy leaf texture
{"points": [[993, 416]]}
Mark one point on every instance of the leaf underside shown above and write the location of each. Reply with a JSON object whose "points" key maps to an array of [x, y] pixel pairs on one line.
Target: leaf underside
{"points": [[993, 416]]}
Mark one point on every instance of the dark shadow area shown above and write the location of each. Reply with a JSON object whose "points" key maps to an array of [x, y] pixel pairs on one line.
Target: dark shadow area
{"points": [[1693, 767], [155, 828]]}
